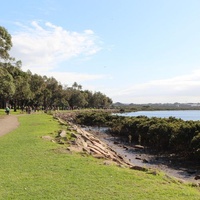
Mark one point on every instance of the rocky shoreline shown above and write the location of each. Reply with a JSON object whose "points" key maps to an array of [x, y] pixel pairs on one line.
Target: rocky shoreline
{"points": [[139, 156], [87, 142], [135, 156]]}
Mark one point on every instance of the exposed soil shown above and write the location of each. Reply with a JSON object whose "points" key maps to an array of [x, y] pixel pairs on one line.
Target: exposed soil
{"points": [[8, 123]]}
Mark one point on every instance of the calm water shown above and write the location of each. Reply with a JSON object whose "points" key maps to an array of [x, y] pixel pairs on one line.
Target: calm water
{"points": [[183, 114]]}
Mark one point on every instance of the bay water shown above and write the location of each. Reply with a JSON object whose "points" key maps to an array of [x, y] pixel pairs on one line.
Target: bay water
{"points": [[180, 114]]}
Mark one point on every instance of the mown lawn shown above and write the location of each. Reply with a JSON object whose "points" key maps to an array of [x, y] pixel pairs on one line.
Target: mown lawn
{"points": [[34, 168]]}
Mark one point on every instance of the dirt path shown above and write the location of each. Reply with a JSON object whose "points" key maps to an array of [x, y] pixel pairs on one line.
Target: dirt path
{"points": [[8, 123]]}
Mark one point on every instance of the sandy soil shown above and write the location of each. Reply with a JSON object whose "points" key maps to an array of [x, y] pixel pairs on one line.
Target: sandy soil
{"points": [[8, 123]]}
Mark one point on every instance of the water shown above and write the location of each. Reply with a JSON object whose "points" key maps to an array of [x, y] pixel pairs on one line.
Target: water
{"points": [[182, 114]]}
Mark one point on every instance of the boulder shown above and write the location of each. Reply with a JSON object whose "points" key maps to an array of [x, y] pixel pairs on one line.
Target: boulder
{"points": [[63, 133]]}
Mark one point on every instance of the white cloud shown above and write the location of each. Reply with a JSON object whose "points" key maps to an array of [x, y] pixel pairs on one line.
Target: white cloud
{"points": [[178, 89], [42, 48]]}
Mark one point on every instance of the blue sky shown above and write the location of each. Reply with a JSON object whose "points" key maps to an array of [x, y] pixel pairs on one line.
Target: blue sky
{"points": [[134, 51]]}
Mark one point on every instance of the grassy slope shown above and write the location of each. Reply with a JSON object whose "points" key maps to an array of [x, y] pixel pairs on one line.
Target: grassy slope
{"points": [[32, 168]]}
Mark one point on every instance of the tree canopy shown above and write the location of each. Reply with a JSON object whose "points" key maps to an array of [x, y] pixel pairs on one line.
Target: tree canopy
{"points": [[5, 43]]}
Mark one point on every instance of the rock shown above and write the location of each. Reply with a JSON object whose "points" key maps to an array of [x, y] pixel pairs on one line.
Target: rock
{"points": [[197, 177], [87, 142], [99, 156], [145, 161], [63, 133], [75, 149], [125, 147], [139, 147], [153, 173], [138, 168]]}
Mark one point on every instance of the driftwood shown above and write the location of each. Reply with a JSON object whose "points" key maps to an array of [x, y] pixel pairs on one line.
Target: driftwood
{"points": [[87, 142]]}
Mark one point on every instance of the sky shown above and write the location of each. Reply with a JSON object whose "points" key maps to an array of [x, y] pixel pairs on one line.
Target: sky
{"points": [[133, 51]]}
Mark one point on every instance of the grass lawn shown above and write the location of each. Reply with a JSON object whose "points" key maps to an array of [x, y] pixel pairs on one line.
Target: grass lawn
{"points": [[34, 168], [2, 112]]}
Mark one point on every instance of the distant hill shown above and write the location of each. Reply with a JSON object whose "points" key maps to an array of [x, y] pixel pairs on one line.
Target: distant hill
{"points": [[159, 105]]}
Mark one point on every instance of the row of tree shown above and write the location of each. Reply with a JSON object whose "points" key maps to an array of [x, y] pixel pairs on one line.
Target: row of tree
{"points": [[168, 135], [20, 89]]}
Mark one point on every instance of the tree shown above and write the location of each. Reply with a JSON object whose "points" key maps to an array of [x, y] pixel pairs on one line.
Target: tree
{"points": [[75, 85], [100, 100], [7, 86], [5, 44], [79, 87], [23, 92], [77, 99], [37, 87], [52, 89]]}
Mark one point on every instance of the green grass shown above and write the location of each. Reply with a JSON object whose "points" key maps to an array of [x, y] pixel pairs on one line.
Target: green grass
{"points": [[2, 112], [33, 168]]}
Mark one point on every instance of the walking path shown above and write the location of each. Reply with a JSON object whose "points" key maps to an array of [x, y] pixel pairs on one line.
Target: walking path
{"points": [[8, 123]]}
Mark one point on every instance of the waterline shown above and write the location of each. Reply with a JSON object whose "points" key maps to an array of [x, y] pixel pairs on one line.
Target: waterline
{"points": [[180, 114]]}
